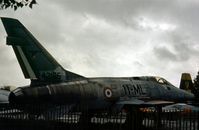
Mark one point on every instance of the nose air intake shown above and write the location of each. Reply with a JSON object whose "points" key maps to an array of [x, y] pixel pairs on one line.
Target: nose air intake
{"points": [[15, 96]]}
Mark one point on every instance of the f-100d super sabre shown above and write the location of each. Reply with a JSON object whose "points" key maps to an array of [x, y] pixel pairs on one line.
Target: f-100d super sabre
{"points": [[50, 82]]}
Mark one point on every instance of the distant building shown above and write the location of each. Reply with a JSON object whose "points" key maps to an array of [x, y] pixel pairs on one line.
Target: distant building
{"points": [[186, 82], [7, 87]]}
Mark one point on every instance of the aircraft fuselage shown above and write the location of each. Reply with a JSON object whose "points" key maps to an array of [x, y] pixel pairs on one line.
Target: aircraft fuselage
{"points": [[101, 92]]}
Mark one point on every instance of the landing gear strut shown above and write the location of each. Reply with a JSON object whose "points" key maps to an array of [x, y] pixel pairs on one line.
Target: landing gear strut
{"points": [[134, 118]]}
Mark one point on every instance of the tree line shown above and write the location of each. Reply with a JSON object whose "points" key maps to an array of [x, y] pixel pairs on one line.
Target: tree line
{"points": [[196, 86], [15, 4]]}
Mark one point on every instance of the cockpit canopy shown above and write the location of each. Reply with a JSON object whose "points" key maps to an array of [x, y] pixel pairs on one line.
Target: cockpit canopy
{"points": [[162, 81], [156, 79]]}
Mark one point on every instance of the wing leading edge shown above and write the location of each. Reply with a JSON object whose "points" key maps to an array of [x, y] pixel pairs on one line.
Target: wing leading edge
{"points": [[137, 102]]}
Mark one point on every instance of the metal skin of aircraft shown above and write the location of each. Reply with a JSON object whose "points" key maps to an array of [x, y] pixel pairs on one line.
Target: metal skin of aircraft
{"points": [[50, 82]]}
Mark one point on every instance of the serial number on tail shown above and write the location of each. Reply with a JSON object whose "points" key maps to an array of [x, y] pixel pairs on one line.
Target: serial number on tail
{"points": [[51, 76]]}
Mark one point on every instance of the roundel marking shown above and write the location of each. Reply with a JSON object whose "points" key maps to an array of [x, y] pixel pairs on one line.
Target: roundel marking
{"points": [[108, 92]]}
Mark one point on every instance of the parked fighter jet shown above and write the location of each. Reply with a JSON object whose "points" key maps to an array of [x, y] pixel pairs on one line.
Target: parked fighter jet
{"points": [[50, 82]]}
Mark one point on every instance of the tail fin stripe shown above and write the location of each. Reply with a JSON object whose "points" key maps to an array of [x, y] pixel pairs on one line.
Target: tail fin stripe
{"points": [[29, 69]]}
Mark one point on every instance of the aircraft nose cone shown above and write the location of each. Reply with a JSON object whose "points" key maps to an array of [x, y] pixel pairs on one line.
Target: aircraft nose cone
{"points": [[189, 96], [12, 97], [15, 96]]}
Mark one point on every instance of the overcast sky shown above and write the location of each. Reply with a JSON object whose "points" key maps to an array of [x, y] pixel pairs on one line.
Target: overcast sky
{"points": [[103, 38]]}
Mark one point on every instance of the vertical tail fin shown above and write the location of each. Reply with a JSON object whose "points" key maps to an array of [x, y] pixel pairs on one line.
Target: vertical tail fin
{"points": [[186, 82], [35, 61]]}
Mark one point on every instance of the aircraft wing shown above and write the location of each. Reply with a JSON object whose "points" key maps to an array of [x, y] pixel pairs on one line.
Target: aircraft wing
{"points": [[137, 102], [130, 102], [158, 102]]}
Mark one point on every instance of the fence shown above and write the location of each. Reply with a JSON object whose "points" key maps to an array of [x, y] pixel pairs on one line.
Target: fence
{"points": [[63, 117]]}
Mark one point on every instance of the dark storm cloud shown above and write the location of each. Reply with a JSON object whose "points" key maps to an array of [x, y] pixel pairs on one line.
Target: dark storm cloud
{"points": [[164, 53], [181, 50], [114, 37], [185, 44], [124, 11]]}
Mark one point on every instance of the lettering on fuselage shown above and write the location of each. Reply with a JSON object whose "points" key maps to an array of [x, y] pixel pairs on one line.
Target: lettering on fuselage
{"points": [[51, 75], [133, 90]]}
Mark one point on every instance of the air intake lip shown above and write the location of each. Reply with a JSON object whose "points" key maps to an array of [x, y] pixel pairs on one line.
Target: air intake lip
{"points": [[12, 98], [15, 96]]}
